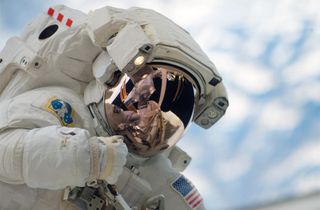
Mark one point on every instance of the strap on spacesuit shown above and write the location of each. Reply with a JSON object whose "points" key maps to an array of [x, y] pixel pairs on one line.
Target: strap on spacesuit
{"points": [[110, 153], [94, 159], [155, 203]]}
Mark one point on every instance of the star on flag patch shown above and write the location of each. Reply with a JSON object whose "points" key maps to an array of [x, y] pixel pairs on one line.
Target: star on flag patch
{"points": [[188, 191]]}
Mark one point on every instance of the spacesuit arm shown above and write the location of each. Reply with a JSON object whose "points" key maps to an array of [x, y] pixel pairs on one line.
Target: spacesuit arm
{"points": [[54, 157], [37, 150]]}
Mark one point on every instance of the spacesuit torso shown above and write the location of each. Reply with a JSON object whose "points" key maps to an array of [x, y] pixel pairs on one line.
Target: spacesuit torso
{"points": [[142, 178], [43, 76]]}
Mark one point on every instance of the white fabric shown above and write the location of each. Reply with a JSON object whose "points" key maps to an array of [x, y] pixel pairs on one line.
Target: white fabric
{"points": [[21, 197], [47, 157], [58, 147], [65, 58], [35, 150], [119, 153], [159, 173], [143, 179], [54, 157]]}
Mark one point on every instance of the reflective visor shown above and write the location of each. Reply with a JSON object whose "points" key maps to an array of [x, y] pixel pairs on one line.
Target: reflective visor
{"points": [[152, 109]]}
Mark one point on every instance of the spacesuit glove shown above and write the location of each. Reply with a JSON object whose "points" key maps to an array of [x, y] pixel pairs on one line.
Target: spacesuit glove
{"points": [[115, 157]]}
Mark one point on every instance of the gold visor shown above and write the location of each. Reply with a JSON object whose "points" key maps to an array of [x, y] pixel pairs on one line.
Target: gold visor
{"points": [[152, 109]]}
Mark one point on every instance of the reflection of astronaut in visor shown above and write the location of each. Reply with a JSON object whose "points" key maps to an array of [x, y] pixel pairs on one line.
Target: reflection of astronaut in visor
{"points": [[155, 113]]}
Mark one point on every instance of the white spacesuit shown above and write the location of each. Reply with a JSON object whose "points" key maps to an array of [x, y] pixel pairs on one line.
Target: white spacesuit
{"points": [[79, 91]]}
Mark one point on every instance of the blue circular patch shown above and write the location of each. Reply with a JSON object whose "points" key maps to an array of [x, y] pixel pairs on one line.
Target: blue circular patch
{"points": [[56, 104], [63, 110]]}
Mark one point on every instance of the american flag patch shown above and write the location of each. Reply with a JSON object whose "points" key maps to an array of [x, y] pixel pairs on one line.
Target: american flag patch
{"points": [[188, 191]]}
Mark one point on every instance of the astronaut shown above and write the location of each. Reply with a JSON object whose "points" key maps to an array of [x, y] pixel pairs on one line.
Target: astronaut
{"points": [[93, 101]]}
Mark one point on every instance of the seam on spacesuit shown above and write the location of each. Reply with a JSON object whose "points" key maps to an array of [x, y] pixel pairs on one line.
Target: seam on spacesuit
{"points": [[4, 122], [17, 158], [18, 155]]}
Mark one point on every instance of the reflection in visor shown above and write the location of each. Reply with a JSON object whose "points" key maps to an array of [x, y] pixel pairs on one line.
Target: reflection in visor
{"points": [[153, 116]]}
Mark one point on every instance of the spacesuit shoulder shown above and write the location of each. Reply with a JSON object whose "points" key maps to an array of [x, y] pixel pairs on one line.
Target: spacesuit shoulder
{"points": [[57, 43], [44, 107]]}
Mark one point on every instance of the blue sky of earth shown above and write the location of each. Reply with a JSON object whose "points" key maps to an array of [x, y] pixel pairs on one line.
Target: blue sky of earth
{"points": [[268, 53]]}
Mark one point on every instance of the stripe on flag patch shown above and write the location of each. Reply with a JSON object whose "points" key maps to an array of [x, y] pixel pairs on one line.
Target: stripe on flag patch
{"points": [[188, 191]]}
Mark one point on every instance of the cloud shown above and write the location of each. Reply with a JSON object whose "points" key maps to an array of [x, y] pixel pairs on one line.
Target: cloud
{"points": [[305, 156], [277, 117], [233, 168], [239, 108], [307, 183], [306, 69], [306, 92], [250, 77], [191, 145]]}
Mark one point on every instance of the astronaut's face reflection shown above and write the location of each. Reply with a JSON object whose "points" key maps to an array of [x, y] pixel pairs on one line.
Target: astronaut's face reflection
{"points": [[141, 120], [139, 115]]}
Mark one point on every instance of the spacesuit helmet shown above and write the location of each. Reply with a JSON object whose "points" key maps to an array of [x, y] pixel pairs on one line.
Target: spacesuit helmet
{"points": [[157, 80]]}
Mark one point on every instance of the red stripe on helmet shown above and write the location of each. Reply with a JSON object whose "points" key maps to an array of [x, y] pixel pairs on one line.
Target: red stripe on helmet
{"points": [[69, 22], [50, 12], [60, 17]]}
